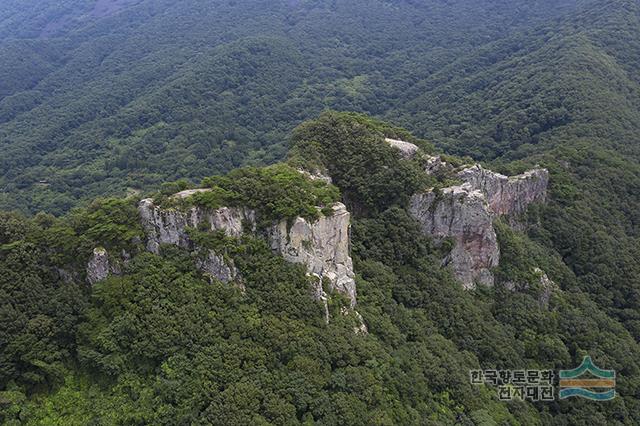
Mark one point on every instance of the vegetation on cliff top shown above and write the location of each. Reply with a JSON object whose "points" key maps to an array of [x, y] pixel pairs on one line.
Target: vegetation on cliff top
{"points": [[184, 90], [162, 344], [351, 149]]}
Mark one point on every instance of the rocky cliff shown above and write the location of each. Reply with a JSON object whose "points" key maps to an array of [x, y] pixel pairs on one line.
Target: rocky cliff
{"points": [[169, 226], [461, 213], [508, 194], [98, 267], [321, 245], [465, 212]]}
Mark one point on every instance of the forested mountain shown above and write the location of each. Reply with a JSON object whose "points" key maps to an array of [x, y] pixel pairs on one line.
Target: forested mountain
{"points": [[139, 98], [566, 95], [108, 98], [154, 340]]}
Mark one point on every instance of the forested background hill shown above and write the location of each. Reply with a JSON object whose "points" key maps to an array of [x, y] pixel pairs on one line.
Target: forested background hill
{"points": [[106, 96], [116, 97]]}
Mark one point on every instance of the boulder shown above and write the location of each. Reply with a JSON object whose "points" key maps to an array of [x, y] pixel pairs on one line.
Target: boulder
{"points": [[407, 149]]}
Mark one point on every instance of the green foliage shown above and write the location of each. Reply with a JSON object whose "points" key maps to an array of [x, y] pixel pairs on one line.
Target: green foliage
{"points": [[192, 89], [351, 148], [112, 223], [274, 192], [181, 90], [40, 310]]}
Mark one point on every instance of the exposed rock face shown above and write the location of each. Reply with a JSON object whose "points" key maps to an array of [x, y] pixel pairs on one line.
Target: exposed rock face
{"points": [[436, 164], [323, 245], [462, 213], [508, 195], [98, 267], [101, 264], [466, 213], [407, 149], [546, 287], [316, 175], [189, 192], [360, 327], [217, 267], [169, 226]]}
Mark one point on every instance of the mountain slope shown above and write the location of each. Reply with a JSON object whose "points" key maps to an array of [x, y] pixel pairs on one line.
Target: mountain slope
{"points": [[190, 77], [566, 95], [158, 341]]}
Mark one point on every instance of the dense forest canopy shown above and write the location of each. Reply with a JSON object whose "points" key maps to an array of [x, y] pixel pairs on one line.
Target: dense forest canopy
{"points": [[99, 99], [129, 98]]}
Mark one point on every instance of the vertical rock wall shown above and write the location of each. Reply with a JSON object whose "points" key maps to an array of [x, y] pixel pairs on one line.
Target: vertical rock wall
{"points": [[508, 194], [461, 213], [466, 212], [321, 245]]}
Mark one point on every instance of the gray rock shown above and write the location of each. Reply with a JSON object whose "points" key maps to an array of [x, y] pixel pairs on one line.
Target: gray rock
{"points": [[407, 149], [98, 267], [435, 164], [461, 213], [168, 226], [547, 288], [316, 175], [466, 213], [432, 164], [360, 327], [322, 245], [508, 195], [217, 267], [189, 192]]}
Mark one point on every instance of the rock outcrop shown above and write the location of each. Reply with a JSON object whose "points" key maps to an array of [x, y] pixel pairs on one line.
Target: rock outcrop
{"points": [[217, 267], [101, 265], [545, 286], [508, 195], [465, 212], [321, 245], [169, 226], [98, 267], [407, 149], [461, 213], [316, 175], [435, 164]]}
